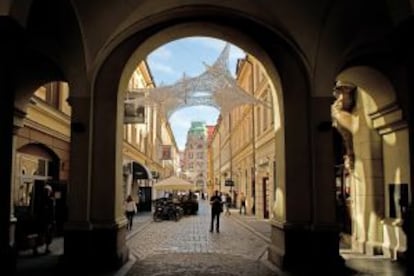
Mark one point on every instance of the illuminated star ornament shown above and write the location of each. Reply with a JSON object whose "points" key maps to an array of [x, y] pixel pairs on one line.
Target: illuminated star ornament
{"points": [[215, 87]]}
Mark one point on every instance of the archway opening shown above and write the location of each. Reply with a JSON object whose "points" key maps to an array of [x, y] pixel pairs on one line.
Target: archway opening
{"points": [[242, 126], [112, 81]]}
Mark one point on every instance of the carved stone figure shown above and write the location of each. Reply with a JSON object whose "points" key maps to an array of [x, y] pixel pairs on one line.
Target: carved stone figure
{"points": [[341, 115]]}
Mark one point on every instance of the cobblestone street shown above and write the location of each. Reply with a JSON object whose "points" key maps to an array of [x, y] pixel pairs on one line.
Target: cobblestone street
{"points": [[186, 247]]}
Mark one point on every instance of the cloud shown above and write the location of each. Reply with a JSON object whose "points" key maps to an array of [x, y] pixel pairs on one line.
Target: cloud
{"points": [[163, 73], [208, 42], [180, 120], [217, 45], [161, 53], [161, 67]]}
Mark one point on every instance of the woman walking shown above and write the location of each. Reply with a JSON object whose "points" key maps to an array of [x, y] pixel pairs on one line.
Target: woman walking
{"points": [[130, 211]]}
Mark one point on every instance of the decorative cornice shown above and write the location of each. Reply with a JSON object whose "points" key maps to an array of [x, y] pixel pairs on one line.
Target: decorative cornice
{"points": [[19, 113], [388, 119], [35, 125], [389, 108], [18, 119]]}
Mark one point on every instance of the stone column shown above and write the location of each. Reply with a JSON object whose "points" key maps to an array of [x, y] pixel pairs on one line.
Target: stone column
{"points": [[290, 247], [304, 232], [107, 216], [324, 229], [7, 252], [78, 229], [95, 232]]}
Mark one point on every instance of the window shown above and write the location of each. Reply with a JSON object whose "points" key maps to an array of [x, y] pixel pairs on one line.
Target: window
{"points": [[41, 167]]}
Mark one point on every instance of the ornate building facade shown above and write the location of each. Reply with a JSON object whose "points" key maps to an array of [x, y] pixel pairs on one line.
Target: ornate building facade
{"points": [[195, 155]]}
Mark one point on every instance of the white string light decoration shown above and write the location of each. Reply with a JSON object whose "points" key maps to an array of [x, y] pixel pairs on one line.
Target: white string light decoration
{"points": [[215, 87]]}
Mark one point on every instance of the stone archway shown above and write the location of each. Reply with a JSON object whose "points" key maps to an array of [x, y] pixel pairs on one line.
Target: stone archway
{"points": [[382, 165], [291, 145]]}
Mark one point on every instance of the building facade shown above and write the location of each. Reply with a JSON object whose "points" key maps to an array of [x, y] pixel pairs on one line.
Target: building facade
{"points": [[43, 151], [195, 155], [243, 146], [150, 151], [43, 148]]}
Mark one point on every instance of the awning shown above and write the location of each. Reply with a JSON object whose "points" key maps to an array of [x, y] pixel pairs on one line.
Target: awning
{"points": [[174, 183], [140, 171]]}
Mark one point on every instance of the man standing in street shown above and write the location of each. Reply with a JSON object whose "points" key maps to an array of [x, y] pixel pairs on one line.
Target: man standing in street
{"points": [[242, 203], [216, 209]]}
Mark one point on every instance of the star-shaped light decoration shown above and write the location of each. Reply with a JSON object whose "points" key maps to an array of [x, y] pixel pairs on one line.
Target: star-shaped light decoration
{"points": [[215, 87]]}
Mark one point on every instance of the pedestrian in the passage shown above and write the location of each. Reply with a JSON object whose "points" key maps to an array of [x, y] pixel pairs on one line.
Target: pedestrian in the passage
{"points": [[242, 203], [216, 209], [228, 204], [223, 197], [130, 211], [47, 216]]}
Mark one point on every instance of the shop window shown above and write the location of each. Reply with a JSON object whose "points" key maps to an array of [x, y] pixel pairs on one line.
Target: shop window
{"points": [[41, 167]]}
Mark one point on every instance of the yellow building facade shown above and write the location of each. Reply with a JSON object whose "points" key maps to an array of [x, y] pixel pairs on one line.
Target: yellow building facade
{"points": [[145, 143], [243, 145], [43, 143]]}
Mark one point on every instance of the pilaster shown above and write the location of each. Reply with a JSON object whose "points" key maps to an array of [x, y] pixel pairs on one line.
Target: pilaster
{"points": [[309, 241], [94, 235]]}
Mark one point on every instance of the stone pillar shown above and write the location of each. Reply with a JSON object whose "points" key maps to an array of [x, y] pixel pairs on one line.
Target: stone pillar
{"points": [[95, 233], [78, 229], [7, 252], [107, 216], [290, 236], [305, 236], [324, 228], [9, 50]]}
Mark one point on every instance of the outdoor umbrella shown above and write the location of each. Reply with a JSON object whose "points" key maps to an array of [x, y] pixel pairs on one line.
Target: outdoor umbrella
{"points": [[174, 183]]}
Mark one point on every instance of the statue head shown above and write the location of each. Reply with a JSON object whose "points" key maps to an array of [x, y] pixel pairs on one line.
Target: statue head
{"points": [[345, 91]]}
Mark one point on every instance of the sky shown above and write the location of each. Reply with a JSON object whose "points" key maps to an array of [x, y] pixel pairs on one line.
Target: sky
{"points": [[169, 62]]}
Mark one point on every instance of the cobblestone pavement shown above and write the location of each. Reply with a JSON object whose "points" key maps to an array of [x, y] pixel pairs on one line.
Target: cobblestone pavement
{"points": [[186, 247]]}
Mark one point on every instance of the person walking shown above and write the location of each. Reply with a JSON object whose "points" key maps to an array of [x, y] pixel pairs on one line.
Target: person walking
{"points": [[47, 216], [242, 203], [228, 204], [216, 209], [130, 211]]}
